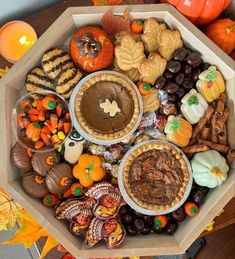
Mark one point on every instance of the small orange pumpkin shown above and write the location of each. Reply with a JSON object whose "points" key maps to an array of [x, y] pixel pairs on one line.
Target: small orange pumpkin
{"points": [[160, 221], [88, 170], [200, 11], [178, 131], [33, 131], [222, 32], [191, 209], [91, 49]]}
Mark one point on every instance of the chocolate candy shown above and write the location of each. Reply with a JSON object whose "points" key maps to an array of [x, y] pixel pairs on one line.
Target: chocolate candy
{"points": [[148, 220], [146, 230], [160, 82], [188, 70], [138, 215], [171, 88], [172, 98], [171, 227], [198, 197], [180, 93], [194, 59], [116, 151], [130, 230], [195, 75], [173, 66], [179, 79], [167, 74], [34, 185], [20, 157], [124, 209], [127, 219], [179, 214], [157, 230], [139, 225], [188, 83], [203, 189], [43, 161], [97, 150], [180, 54], [205, 66], [59, 178]]}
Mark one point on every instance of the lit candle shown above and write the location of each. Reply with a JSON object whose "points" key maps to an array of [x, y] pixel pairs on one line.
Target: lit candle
{"points": [[16, 38]]}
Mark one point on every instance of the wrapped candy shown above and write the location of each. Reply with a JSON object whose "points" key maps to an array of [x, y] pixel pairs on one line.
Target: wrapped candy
{"points": [[114, 171], [155, 134], [141, 138], [163, 96], [97, 150], [114, 153], [168, 109], [148, 120], [161, 122]]}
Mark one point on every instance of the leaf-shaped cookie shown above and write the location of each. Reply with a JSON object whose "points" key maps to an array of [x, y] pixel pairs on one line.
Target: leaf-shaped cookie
{"points": [[151, 68], [170, 40], [129, 54], [133, 73], [150, 37], [121, 34], [151, 101]]}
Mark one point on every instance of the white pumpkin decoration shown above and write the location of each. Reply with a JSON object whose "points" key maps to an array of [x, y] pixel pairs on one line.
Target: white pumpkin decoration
{"points": [[209, 168], [193, 106]]}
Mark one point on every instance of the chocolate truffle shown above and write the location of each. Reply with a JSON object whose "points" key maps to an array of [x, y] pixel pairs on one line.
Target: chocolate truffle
{"points": [[34, 185], [20, 157], [43, 161], [59, 178]]}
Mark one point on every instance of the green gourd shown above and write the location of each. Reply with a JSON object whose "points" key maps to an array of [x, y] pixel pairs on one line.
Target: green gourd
{"points": [[209, 168]]}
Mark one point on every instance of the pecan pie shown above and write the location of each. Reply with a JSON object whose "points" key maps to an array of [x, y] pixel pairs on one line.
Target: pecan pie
{"points": [[156, 175], [107, 106]]}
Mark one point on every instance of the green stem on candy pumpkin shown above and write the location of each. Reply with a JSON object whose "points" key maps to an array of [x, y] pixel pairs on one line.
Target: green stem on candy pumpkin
{"points": [[175, 124], [211, 76], [88, 170], [193, 99]]}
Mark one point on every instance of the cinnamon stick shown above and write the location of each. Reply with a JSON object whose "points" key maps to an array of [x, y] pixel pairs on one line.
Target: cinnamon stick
{"points": [[218, 147], [221, 120], [230, 156], [195, 148]]}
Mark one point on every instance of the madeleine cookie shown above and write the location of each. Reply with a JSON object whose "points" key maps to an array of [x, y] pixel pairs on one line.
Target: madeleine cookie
{"points": [[54, 61], [67, 80], [36, 80]]}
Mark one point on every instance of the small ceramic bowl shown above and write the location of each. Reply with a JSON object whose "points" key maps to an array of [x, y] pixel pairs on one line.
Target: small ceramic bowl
{"points": [[29, 110]]}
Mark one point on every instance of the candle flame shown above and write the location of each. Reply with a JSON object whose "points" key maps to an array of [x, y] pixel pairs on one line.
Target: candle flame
{"points": [[22, 40]]}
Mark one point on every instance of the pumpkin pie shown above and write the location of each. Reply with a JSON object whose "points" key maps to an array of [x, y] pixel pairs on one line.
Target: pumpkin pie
{"points": [[156, 176], [107, 106]]}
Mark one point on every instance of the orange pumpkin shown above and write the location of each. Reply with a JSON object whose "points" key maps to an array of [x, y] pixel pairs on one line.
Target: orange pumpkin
{"points": [[178, 131], [200, 11], [222, 32], [91, 49], [88, 170], [33, 131]]}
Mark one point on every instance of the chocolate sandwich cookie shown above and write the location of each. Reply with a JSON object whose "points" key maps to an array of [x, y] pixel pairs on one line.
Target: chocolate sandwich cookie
{"points": [[43, 162], [36, 80], [34, 185], [20, 157], [54, 61], [66, 80]]}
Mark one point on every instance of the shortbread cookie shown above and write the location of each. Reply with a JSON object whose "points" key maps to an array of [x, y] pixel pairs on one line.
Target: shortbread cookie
{"points": [[37, 80], [129, 54], [54, 61], [66, 80]]}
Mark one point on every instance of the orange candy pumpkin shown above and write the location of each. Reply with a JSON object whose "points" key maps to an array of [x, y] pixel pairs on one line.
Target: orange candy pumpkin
{"points": [[200, 11], [33, 131], [88, 170], [222, 32], [91, 49], [178, 131]]}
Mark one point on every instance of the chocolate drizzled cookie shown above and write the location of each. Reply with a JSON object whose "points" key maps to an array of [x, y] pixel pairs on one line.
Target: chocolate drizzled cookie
{"points": [[66, 80], [54, 61], [36, 80]]}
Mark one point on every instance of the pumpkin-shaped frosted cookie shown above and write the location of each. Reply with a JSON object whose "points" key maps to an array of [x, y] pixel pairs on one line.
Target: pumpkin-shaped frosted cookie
{"points": [[88, 170], [91, 49], [193, 106], [210, 84], [178, 131], [209, 168]]}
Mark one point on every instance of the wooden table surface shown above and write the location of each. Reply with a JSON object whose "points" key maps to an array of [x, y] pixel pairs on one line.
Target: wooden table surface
{"points": [[42, 20]]}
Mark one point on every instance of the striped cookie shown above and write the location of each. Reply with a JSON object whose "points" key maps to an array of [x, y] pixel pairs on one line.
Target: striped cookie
{"points": [[66, 81], [54, 61], [37, 80]]}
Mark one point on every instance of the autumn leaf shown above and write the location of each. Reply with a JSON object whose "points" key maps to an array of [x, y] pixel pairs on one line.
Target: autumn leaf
{"points": [[30, 232], [9, 211], [106, 2]]}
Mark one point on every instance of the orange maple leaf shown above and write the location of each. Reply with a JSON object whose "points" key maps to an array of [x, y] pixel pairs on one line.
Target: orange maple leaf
{"points": [[106, 2]]}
